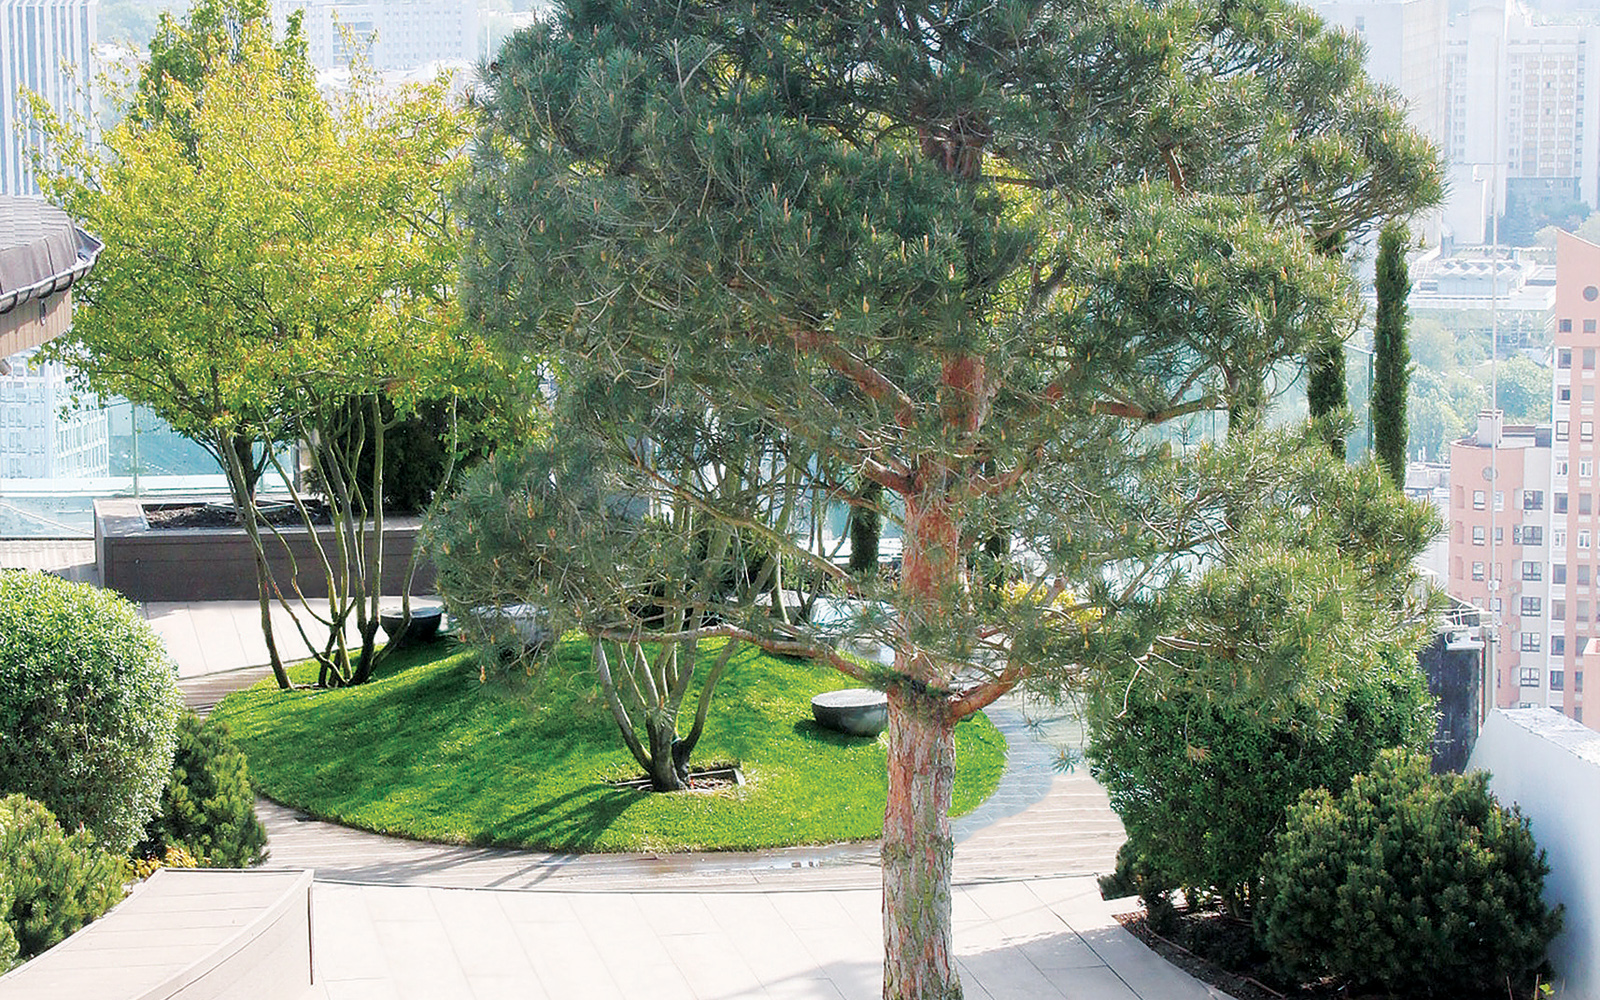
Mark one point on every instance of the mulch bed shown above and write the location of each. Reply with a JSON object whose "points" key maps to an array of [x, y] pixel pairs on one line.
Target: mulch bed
{"points": [[221, 515], [1220, 951]]}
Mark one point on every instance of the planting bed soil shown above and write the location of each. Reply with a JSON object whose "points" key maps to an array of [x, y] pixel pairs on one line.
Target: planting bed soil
{"points": [[221, 515]]}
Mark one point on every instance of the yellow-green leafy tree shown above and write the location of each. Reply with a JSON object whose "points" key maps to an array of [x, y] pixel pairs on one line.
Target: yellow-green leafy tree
{"points": [[271, 257]]}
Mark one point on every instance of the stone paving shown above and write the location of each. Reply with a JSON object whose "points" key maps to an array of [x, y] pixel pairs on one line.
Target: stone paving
{"points": [[401, 919]]}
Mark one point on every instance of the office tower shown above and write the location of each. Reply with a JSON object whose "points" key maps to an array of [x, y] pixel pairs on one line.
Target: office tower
{"points": [[47, 47]]}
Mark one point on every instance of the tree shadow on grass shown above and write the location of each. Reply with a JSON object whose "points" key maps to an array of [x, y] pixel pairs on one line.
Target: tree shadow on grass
{"points": [[571, 822], [812, 730]]}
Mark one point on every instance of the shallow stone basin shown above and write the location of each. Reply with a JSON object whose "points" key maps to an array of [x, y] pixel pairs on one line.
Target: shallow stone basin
{"points": [[856, 711]]}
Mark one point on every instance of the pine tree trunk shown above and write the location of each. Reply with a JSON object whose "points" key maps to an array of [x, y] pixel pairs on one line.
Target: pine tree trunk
{"points": [[918, 961]]}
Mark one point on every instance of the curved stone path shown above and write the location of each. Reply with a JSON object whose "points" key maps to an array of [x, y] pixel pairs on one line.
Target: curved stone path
{"points": [[1038, 823]]}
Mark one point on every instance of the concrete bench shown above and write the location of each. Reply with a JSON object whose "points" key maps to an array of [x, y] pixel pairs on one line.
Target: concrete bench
{"points": [[185, 934]]}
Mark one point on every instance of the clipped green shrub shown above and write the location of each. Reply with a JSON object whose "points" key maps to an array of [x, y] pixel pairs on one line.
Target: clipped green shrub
{"points": [[88, 705], [57, 882], [207, 807], [1203, 785], [1408, 881]]}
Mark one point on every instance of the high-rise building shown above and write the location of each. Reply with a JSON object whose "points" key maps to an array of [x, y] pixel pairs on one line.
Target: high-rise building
{"points": [[47, 47], [389, 34], [1523, 114]]}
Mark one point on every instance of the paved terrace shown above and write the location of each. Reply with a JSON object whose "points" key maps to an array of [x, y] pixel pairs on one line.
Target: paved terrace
{"points": [[401, 919]]}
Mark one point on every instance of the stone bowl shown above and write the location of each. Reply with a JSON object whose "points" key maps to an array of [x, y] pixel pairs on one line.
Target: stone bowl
{"points": [[853, 711], [424, 625]]}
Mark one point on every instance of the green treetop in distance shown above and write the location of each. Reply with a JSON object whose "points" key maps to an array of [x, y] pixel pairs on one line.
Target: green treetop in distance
{"points": [[1392, 361], [972, 252]]}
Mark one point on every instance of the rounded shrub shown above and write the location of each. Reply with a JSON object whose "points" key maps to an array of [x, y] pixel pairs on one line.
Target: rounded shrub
{"points": [[56, 881], [88, 705], [1407, 881], [207, 808], [1202, 785]]}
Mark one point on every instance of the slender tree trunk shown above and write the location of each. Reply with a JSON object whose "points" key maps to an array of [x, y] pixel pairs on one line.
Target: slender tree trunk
{"points": [[241, 485], [918, 850], [918, 961]]}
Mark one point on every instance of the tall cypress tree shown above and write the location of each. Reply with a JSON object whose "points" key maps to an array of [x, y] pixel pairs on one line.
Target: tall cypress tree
{"points": [[1325, 390], [1393, 358]]}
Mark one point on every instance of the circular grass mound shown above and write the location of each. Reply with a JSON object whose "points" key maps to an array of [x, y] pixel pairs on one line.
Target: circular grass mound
{"points": [[427, 750]]}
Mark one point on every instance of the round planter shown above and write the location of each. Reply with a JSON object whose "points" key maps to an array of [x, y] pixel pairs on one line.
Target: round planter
{"points": [[854, 711], [424, 625]]}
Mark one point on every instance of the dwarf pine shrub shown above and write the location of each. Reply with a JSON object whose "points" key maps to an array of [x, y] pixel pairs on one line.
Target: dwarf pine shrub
{"points": [[1407, 881], [55, 881], [207, 808]]}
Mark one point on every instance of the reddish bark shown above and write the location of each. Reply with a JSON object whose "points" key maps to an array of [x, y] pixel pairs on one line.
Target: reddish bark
{"points": [[917, 850]]}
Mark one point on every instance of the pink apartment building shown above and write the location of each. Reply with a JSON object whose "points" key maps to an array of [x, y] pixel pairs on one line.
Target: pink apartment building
{"points": [[1524, 517]]}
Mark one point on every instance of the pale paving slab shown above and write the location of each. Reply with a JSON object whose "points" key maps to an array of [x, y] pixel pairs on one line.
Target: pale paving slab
{"points": [[1046, 938]]}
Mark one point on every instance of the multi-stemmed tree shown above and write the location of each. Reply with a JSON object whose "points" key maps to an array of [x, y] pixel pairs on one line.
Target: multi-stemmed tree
{"points": [[277, 266], [974, 253]]}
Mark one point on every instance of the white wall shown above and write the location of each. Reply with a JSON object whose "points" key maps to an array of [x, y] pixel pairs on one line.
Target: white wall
{"points": [[1550, 766]]}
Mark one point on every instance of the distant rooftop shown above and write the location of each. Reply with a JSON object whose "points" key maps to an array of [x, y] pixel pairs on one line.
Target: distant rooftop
{"points": [[42, 252]]}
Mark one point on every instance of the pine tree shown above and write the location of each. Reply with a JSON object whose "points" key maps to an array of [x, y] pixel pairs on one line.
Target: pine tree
{"points": [[972, 252]]}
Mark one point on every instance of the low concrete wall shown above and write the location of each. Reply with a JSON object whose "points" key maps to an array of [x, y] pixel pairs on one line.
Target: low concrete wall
{"points": [[1549, 765], [216, 564], [197, 934]]}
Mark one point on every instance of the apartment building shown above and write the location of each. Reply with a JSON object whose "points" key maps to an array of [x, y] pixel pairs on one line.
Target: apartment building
{"points": [[1523, 112], [1499, 524], [1524, 516]]}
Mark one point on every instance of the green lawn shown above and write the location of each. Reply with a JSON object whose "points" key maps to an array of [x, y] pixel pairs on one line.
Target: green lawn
{"points": [[427, 750]]}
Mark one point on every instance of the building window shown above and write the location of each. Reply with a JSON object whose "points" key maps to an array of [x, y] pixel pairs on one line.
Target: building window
{"points": [[1499, 535], [1558, 538], [1585, 468], [1588, 359], [1558, 645], [1559, 503], [1558, 573], [1558, 610], [1531, 570], [1527, 534], [1581, 611], [1586, 430], [1477, 571], [1586, 503], [1499, 499], [1531, 641], [1577, 713], [1565, 326], [1577, 679], [1530, 606], [1583, 539], [1556, 680], [1530, 677], [1563, 430], [1564, 356], [1588, 326], [1478, 534], [1479, 499], [1564, 394], [1533, 499], [1583, 575]]}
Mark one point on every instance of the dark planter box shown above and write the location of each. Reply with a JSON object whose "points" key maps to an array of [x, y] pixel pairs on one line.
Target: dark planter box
{"points": [[216, 564]]}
